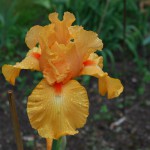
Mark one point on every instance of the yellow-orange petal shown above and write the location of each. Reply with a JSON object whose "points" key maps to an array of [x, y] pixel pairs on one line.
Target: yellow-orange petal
{"points": [[53, 17], [68, 18], [93, 66], [32, 36], [31, 61], [93, 70], [86, 42], [56, 114], [61, 27], [54, 64], [10, 73], [111, 86], [97, 59], [102, 86]]}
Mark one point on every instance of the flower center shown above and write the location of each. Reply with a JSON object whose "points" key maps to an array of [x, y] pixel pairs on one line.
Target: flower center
{"points": [[36, 55], [58, 88], [88, 62]]}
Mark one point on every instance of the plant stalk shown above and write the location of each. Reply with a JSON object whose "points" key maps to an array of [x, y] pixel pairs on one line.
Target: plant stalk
{"points": [[49, 144], [15, 120], [59, 144], [124, 48]]}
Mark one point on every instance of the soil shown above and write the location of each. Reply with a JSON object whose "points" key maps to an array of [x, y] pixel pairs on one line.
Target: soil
{"points": [[128, 127]]}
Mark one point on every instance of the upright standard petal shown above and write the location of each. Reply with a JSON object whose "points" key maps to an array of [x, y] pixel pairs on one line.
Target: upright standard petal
{"points": [[44, 36], [58, 110], [61, 63], [86, 42], [32, 36], [31, 61], [61, 27], [54, 65]]}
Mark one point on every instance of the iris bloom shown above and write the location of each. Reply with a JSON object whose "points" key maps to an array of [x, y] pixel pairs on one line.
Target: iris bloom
{"points": [[59, 104]]}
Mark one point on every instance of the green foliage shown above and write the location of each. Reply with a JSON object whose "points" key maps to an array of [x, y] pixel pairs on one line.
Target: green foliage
{"points": [[103, 114], [16, 17], [104, 17]]}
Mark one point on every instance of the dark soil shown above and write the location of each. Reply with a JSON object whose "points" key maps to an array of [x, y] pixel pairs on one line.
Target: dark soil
{"points": [[99, 133]]}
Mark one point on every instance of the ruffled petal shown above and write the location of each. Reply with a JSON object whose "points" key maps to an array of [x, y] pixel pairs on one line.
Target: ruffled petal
{"points": [[31, 61], [111, 86], [98, 60], [44, 36], [10, 73], [61, 27], [61, 63], [54, 64], [107, 85], [93, 66], [68, 18], [32, 36], [59, 110], [93, 71], [86, 42]]}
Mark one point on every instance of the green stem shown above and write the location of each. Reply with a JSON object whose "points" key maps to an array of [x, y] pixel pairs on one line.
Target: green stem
{"points": [[15, 121], [59, 144]]}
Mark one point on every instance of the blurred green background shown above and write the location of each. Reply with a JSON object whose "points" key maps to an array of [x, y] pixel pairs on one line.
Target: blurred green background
{"points": [[126, 55]]}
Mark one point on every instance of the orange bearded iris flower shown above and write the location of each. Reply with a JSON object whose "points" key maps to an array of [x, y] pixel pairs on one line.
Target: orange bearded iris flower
{"points": [[59, 105]]}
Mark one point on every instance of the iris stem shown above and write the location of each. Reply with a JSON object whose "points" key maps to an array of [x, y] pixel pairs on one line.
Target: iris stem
{"points": [[15, 121], [49, 144], [59, 144]]}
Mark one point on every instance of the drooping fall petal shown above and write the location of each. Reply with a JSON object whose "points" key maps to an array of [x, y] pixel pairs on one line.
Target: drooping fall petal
{"points": [[107, 85], [31, 62], [110, 86], [59, 110]]}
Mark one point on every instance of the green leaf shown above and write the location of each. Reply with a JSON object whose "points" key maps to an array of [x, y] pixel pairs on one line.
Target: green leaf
{"points": [[86, 80], [45, 3], [147, 77], [132, 48], [112, 59], [104, 109], [146, 41]]}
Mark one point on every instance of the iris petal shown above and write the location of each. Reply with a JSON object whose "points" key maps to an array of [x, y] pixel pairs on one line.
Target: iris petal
{"points": [[86, 42], [32, 37], [30, 62], [93, 66], [55, 115], [111, 86], [61, 27], [107, 85], [40, 35]]}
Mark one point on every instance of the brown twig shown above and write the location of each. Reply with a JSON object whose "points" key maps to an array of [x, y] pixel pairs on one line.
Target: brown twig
{"points": [[124, 49], [15, 121]]}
